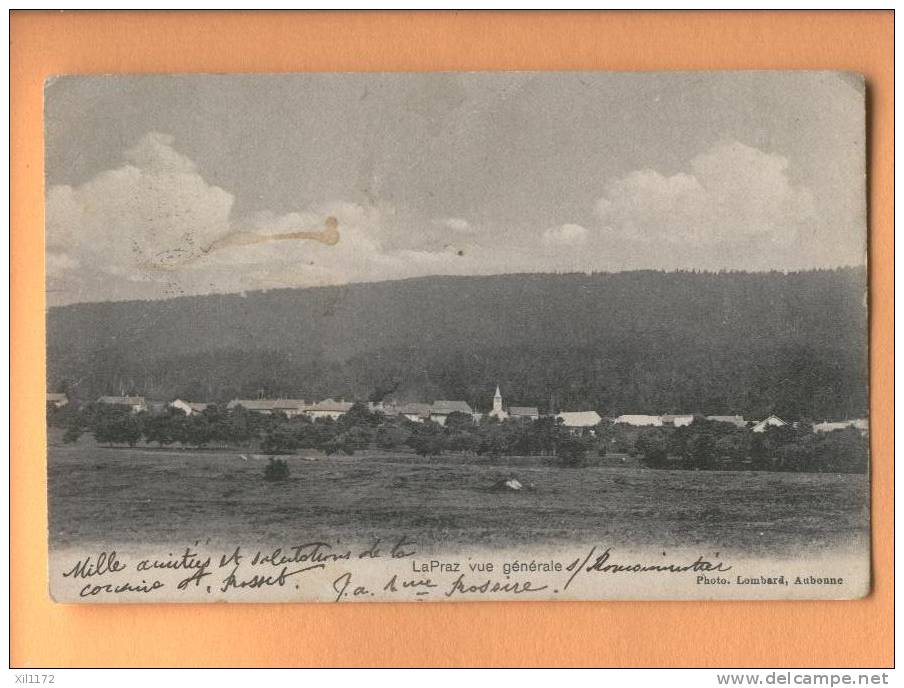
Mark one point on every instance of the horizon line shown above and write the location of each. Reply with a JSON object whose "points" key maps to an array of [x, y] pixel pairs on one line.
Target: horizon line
{"points": [[245, 292]]}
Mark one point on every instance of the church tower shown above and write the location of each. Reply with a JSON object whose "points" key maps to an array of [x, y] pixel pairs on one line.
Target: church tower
{"points": [[497, 402], [497, 411]]}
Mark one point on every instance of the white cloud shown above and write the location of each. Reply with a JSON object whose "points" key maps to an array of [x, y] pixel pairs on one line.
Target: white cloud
{"points": [[732, 193], [565, 235], [141, 230], [132, 217], [144, 230]]}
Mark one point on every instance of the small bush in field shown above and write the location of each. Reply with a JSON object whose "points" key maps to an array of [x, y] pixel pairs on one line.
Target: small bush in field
{"points": [[572, 451], [73, 432], [276, 471]]}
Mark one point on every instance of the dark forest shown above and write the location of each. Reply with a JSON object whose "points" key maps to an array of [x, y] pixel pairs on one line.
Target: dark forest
{"points": [[632, 342]]}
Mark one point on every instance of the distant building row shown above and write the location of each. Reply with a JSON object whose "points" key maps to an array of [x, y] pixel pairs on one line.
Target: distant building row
{"points": [[678, 421], [439, 411], [772, 421]]}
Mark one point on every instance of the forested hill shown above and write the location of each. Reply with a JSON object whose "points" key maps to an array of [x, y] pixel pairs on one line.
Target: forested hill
{"points": [[635, 342]]}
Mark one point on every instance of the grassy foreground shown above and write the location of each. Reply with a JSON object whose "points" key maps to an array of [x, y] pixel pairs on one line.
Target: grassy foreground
{"points": [[100, 495]]}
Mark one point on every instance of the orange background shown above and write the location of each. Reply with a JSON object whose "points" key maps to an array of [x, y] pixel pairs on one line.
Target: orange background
{"points": [[797, 634]]}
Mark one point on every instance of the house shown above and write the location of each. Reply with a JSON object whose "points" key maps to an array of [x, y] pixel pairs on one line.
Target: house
{"points": [[440, 410], [58, 399], [328, 408], [415, 412], [772, 421], [264, 406], [524, 412], [678, 421], [737, 421], [639, 420], [289, 407], [387, 408], [157, 407], [861, 424], [135, 404], [579, 421], [189, 407]]}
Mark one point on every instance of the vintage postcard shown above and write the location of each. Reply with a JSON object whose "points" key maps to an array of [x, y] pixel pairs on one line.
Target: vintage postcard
{"points": [[457, 337]]}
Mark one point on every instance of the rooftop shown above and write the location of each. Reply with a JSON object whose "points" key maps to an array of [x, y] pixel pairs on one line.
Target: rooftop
{"points": [[332, 405], [443, 407], [126, 401], [579, 419]]}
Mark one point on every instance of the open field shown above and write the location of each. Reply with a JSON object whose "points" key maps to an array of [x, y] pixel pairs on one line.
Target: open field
{"points": [[144, 495]]}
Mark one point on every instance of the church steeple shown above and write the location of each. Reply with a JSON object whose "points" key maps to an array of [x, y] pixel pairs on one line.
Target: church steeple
{"points": [[497, 402]]}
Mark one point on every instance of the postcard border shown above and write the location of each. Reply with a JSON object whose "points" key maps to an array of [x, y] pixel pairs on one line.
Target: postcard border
{"points": [[616, 634]]}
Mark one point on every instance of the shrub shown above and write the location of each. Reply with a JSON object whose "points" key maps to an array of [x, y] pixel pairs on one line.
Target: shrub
{"points": [[572, 451], [427, 440], [73, 432], [277, 470], [652, 448], [841, 451], [700, 452], [391, 437], [118, 427], [279, 440]]}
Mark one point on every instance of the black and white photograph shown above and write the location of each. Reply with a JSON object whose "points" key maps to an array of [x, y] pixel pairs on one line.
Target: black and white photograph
{"points": [[457, 336]]}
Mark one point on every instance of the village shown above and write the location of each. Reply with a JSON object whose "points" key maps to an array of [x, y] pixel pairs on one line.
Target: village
{"points": [[438, 411], [443, 467]]}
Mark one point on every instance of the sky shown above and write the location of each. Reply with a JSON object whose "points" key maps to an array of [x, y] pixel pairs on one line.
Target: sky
{"points": [[165, 185]]}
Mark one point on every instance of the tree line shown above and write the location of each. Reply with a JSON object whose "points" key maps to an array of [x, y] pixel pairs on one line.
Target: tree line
{"points": [[710, 445], [358, 429], [702, 445]]}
